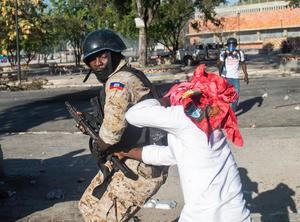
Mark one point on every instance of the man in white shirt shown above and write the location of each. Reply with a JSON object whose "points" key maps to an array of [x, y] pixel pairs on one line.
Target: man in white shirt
{"points": [[208, 173], [230, 61]]}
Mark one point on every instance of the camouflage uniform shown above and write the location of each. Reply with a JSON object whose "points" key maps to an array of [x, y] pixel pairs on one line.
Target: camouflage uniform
{"points": [[121, 197], [123, 89]]}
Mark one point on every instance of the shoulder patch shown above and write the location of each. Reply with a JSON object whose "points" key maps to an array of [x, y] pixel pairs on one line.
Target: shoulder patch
{"points": [[116, 85]]}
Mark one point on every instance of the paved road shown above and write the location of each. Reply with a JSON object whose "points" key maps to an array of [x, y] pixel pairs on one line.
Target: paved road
{"points": [[43, 152], [44, 110]]}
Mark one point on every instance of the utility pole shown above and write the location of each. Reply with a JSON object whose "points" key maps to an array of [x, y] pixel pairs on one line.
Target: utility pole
{"points": [[239, 31], [17, 42]]}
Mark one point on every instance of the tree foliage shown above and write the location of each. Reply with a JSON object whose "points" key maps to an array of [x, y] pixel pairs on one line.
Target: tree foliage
{"points": [[30, 23], [67, 17], [146, 10], [206, 7], [67, 22], [294, 3], [131, 9], [74, 19], [173, 15], [125, 12], [168, 25]]}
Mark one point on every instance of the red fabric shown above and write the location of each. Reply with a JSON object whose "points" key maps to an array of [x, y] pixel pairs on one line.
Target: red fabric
{"points": [[216, 92]]}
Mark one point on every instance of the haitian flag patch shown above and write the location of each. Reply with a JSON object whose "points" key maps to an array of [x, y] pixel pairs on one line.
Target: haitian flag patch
{"points": [[116, 85]]}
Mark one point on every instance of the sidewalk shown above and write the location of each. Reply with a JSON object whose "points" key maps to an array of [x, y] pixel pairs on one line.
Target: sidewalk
{"points": [[76, 80]]}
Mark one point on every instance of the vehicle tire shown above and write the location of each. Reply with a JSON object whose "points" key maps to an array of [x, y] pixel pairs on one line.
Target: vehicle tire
{"points": [[188, 61]]}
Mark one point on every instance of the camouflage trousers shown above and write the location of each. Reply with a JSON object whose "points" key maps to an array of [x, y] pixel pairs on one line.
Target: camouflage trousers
{"points": [[121, 197]]}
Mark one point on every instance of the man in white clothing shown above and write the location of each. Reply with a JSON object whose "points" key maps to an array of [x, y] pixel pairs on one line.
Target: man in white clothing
{"points": [[230, 61], [209, 177]]}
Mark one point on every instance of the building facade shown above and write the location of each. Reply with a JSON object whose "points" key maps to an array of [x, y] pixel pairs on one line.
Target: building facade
{"points": [[256, 26]]}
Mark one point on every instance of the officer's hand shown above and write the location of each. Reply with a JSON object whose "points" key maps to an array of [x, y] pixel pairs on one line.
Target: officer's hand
{"points": [[81, 129], [246, 79], [121, 155]]}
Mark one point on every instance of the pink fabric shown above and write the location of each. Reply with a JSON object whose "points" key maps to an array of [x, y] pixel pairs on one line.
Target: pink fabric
{"points": [[216, 92]]}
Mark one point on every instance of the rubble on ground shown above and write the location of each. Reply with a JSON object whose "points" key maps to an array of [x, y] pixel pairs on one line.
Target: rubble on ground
{"points": [[13, 85]]}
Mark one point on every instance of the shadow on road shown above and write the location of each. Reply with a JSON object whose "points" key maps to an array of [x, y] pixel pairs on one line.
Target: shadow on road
{"points": [[25, 116], [273, 205], [263, 61], [43, 183], [247, 105]]}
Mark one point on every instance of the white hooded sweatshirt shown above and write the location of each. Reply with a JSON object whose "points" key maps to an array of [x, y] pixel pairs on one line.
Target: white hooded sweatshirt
{"points": [[208, 173]]}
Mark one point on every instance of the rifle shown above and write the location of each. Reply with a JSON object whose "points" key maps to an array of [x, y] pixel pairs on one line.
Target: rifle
{"points": [[101, 155]]}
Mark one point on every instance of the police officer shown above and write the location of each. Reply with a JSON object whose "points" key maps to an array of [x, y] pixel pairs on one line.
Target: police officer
{"points": [[230, 60], [102, 53], [124, 86]]}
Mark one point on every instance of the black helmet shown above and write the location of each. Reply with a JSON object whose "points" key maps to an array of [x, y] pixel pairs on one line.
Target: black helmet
{"points": [[100, 40], [232, 41]]}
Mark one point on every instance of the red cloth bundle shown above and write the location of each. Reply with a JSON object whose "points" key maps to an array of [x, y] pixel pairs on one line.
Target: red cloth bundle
{"points": [[217, 94]]}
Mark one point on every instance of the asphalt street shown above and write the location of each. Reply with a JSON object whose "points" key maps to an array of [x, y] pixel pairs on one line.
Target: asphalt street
{"points": [[43, 153]]}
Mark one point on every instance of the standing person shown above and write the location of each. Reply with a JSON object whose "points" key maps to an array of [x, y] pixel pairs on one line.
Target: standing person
{"points": [[209, 177], [229, 63], [123, 86]]}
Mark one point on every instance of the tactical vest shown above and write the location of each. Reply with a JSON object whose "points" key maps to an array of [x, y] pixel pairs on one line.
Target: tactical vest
{"points": [[132, 136]]}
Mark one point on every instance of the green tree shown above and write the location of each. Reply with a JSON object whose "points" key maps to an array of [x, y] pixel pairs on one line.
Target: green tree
{"points": [[67, 17], [74, 19], [131, 9], [207, 8], [294, 3], [169, 22], [172, 17], [30, 14], [146, 10], [125, 11], [164, 18], [40, 41]]}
